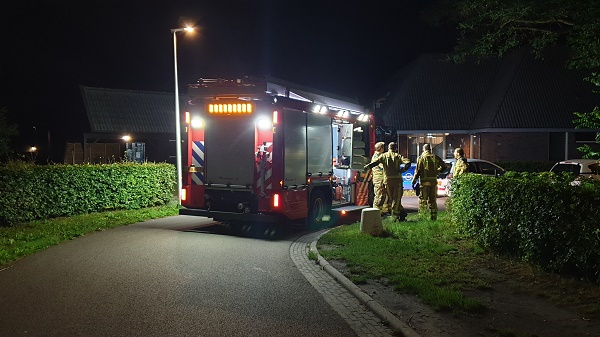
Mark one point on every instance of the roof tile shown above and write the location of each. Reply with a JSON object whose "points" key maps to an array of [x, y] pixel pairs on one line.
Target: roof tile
{"points": [[113, 110]]}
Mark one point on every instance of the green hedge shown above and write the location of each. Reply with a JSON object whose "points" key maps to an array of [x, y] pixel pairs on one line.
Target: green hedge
{"points": [[30, 192], [541, 218]]}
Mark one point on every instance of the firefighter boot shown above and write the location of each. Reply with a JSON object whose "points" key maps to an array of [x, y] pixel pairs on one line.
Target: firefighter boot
{"points": [[401, 217]]}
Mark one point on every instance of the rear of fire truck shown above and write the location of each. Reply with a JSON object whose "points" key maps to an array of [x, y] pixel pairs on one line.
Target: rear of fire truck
{"points": [[266, 150]]}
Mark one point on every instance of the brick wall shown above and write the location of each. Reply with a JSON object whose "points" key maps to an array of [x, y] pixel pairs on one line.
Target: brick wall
{"points": [[512, 146], [507, 146]]}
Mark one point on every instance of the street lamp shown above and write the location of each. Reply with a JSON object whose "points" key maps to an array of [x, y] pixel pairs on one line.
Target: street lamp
{"points": [[177, 121], [128, 155], [32, 152]]}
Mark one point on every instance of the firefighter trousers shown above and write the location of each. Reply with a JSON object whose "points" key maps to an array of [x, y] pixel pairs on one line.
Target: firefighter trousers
{"points": [[394, 195], [379, 201], [428, 199]]}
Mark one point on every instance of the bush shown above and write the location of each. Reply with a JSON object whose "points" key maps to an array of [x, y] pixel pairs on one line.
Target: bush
{"points": [[541, 218], [31, 192]]}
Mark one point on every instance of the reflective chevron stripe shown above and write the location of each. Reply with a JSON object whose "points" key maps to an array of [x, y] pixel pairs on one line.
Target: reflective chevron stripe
{"points": [[268, 173], [198, 161]]}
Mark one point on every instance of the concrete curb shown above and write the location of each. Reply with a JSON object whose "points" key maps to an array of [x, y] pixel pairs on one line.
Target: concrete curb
{"points": [[381, 312]]}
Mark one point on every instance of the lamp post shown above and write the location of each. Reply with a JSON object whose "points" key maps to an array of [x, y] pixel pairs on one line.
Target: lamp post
{"points": [[177, 119]]}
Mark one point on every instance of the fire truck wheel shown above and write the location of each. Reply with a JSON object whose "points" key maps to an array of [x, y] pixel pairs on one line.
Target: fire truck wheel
{"points": [[319, 213]]}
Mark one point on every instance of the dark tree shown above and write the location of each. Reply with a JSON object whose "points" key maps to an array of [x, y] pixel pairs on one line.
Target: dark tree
{"points": [[491, 28], [7, 132]]}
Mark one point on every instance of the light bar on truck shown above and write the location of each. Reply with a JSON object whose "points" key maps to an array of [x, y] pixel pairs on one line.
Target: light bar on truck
{"points": [[339, 113], [343, 113], [230, 108], [320, 109]]}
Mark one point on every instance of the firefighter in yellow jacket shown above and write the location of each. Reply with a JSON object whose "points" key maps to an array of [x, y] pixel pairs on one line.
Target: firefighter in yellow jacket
{"points": [[378, 180], [428, 168], [393, 166], [461, 165]]}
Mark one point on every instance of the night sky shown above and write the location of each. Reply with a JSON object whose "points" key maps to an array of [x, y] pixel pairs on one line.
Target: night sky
{"points": [[349, 48]]}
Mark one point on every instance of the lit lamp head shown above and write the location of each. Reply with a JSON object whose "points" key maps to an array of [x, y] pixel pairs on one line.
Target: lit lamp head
{"points": [[187, 29], [197, 123]]}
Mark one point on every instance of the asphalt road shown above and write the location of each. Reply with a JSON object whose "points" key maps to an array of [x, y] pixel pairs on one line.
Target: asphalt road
{"points": [[178, 276]]}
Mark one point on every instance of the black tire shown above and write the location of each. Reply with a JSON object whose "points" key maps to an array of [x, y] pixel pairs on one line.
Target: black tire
{"points": [[319, 211]]}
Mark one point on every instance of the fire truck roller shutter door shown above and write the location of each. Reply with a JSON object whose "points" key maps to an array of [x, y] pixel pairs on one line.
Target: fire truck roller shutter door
{"points": [[320, 147], [295, 148], [229, 151]]}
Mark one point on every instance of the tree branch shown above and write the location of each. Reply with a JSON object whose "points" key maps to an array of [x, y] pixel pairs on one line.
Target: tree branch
{"points": [[525, 24], [541, 22], [549, 31]]}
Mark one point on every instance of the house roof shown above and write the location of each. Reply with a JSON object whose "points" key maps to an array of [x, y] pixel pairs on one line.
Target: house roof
{"points": [[516, 92], [115, 111]]}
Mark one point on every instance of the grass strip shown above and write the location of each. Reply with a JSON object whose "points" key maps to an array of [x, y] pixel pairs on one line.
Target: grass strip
{"points": [[31, 237], [432, 260], [422, 257]]}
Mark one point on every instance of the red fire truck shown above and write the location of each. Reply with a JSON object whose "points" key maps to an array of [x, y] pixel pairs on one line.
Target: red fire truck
{"points": [[266, 150]]}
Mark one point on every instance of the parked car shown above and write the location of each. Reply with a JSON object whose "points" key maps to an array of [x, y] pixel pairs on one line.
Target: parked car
{"points": [[478, 166], [580, 167], [407, 177]]}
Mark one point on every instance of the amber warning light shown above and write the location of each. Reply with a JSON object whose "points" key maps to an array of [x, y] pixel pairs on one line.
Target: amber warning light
{"points": [[230, 108]]}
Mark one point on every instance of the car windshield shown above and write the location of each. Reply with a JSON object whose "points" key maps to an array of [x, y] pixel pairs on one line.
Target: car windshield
{"points": [[571, 168]]}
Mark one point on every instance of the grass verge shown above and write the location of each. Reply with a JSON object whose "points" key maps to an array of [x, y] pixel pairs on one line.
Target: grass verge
{"points": [[31, 237], [433, 261]]}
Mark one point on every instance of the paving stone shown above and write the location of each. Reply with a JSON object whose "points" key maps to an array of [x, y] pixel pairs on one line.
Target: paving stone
{"points": [[359, 317]]}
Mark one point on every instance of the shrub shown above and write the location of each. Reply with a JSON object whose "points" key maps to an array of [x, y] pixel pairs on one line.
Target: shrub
{"points": [[31, 192], [541, 218]]}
